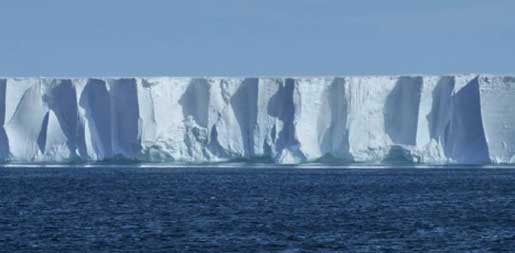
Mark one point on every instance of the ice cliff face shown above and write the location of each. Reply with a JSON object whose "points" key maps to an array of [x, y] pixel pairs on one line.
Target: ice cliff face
{"points": [[426, 119]]}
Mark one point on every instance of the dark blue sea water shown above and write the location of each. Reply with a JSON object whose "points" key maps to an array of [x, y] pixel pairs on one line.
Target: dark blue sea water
{"points": [[256, 209]]}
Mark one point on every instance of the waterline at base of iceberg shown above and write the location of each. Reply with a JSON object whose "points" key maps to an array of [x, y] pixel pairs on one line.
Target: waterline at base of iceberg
{"points": [[254, 165]]}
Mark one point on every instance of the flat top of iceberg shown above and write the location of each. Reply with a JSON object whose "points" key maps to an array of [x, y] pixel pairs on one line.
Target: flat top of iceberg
{"points": [[255, 76]]}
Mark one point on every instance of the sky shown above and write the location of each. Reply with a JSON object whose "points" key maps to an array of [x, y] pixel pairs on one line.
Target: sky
{"points": [[260, 37]]}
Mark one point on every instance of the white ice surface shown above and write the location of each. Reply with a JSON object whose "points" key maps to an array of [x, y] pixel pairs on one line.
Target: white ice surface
{"points": [[372, 119]]}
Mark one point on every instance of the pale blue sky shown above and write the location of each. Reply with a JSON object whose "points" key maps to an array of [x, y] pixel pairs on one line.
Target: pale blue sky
{"points": [[260, 37]]}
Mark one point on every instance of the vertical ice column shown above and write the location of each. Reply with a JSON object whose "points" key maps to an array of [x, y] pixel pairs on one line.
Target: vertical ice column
{"points": [[95, 103], [226, 136], [163, 122], [61, 135], [267, 126], [312, 114], [146, 105], [321, 118], [4, 141], [434, 117], [196, 111], [245, 107], [366, 97], [401, 110], [382, 116], [335, 140], [25, 113], [275, 133], [497, 95], [465, 138], [125, 118]]}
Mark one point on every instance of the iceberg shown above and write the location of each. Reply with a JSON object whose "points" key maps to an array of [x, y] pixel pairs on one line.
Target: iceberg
{"points": [[453, 119]]}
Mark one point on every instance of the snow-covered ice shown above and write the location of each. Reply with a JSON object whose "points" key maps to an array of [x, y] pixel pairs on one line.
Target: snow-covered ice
{"points": [[423, 119]]}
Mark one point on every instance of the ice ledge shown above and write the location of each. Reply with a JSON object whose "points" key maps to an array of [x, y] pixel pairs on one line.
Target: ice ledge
{"points": [[330, 119]]}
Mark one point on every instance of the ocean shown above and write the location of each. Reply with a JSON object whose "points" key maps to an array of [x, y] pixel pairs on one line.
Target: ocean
{"points": [[242, 209]]}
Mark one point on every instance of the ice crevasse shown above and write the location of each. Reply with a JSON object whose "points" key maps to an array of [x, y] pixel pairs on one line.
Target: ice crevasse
{"points": [[466, 119]]}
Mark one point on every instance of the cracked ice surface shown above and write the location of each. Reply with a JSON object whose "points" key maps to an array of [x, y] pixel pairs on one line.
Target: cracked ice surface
{"points": [[426, 119]]}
